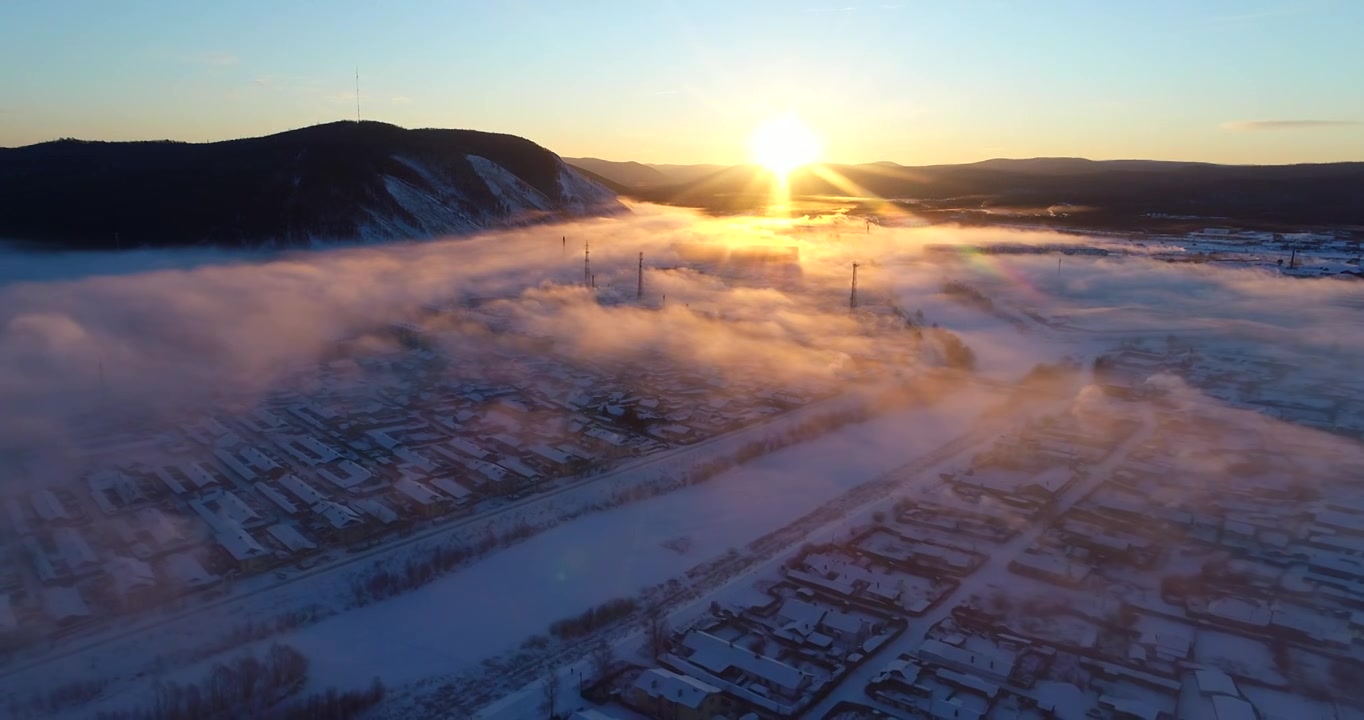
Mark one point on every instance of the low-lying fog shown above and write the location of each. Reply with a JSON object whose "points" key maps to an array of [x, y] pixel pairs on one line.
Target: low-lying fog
{"points": [[137, 335]]}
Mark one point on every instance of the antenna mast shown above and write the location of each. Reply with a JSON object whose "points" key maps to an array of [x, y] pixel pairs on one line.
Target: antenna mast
{"points": [[587, 263], [357, 93], [852, 298], [639, 289]]}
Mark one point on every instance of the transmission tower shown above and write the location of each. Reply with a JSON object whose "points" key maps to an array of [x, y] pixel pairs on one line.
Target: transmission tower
{"points": [[852, 297]]}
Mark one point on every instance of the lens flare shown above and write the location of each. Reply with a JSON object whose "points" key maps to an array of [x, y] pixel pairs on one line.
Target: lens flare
{"points": [[783, 144]]}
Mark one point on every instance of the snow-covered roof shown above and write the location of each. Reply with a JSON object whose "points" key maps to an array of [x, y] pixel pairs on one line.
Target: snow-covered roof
{"points": [[290, 537], [302, 490], [414, 457], [1212, 681], [375, 508], [187, 569], [1233, 708], [64, 603], [468, 448], [451, 487], [337, 515], [129, 574], [239, 544], [382, 438], [518, 467], [994, 660], [418, 492], [74, 548], [1062, 699], [345, 474], [199, 475], [680, 689], [223, 510], [546, 452], [47, 506], [1240, 610], [717, 656], [276, 497], [168, 475]]}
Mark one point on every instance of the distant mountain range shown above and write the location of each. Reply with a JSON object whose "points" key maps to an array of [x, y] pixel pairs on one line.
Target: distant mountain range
{"points": [[342, 181], [1058, 191]]}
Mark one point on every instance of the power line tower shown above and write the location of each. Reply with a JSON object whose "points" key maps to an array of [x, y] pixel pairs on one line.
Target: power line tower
{"points": [[852, 297], [639, 288]]}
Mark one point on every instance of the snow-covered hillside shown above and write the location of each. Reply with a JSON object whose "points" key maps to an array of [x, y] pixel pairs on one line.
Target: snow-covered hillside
{"points": [[424, 199], [342, 181]]}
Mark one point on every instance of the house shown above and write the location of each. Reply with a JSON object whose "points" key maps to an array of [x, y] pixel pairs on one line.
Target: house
{"points": [[132, 580], [421, 498], [187, 572], [454, 489], [114, 490], [993, 662], [167, 532], [306, 494], [75, 551], [1210, 693], [343, 523], [48, 507], [345, 474], [292, 540], [667, 695], [280, 501], [767, 682], [64, 605], [249, 555], [552, 460], [377, 509]]}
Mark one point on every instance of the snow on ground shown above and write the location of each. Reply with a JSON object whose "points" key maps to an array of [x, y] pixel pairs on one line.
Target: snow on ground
{"points": [[183, 634], [491, 606]]}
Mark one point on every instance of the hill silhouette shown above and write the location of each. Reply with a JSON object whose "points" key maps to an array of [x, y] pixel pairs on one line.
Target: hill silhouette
{"points": [[338, 181], [1110, 193]]}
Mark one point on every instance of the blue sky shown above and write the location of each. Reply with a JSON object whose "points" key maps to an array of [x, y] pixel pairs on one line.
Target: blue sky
{"points": [[672, 81]]}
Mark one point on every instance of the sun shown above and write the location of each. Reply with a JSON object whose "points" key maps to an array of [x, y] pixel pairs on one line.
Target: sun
{"points": [[783, 144]]}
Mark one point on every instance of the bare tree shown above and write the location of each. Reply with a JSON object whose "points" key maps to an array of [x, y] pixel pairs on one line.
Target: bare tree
{"points": [[656, 631], [603, 657], [549, 701]]}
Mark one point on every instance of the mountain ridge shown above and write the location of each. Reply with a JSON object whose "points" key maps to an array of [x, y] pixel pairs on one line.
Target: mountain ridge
{"points": [[340, 181], [1103, 193]]}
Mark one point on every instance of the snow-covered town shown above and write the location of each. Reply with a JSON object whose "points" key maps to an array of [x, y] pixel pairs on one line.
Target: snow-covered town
{"points": [[990, 476]]}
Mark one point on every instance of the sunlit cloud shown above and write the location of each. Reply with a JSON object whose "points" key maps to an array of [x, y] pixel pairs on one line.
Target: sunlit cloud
{"points": [[400, 100]]}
